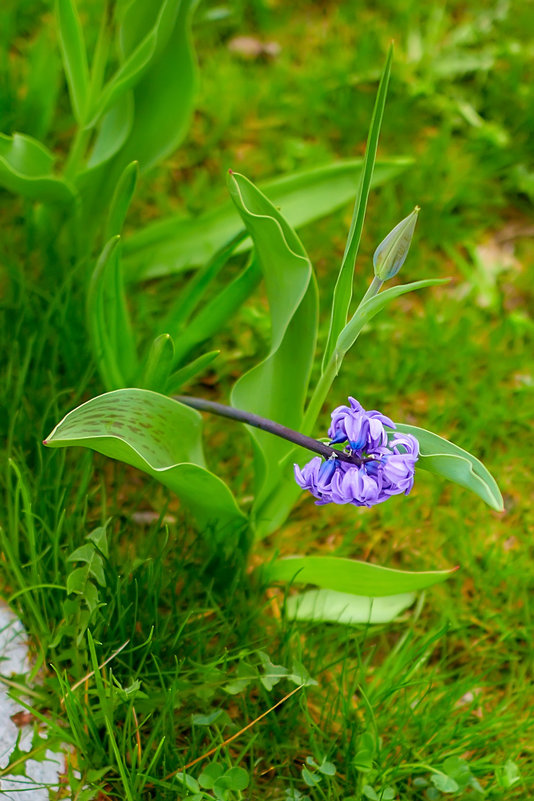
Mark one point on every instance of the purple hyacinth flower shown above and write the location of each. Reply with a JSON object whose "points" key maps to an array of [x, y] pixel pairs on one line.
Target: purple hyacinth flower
{"points": [[385, 463]]}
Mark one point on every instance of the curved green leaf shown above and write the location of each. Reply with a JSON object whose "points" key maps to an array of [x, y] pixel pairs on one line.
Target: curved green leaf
{"points": [[26, 168], [350, 576], [329, 606], [276, 388], [160, 437], [371, 307], [444, 458], [74, 56], [178, 243]]}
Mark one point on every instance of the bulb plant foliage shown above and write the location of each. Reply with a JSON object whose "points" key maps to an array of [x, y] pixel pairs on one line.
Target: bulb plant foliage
{"points": [[131, 99], [368, 458]]}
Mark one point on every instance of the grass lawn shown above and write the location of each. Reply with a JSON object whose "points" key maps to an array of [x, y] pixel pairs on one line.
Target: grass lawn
{"points": [[180, 666]]}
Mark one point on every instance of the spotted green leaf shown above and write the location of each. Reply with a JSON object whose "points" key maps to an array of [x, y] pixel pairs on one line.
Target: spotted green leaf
{"points": [[162, 438]]}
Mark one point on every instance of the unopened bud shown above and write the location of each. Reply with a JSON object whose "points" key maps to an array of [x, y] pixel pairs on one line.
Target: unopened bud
{"points": [[390, 255]]}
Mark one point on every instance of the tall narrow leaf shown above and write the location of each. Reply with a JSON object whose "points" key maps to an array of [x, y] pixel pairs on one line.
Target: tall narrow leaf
{"points": [[108, 320], [343, 288], [74, 56]]}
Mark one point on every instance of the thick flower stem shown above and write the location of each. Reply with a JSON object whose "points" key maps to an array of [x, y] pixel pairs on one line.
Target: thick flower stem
{"points": [[266, 425]]}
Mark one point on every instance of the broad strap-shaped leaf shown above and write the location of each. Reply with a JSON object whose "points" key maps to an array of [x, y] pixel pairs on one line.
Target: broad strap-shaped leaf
{"points": [[74, 56], [444, 458], [26, 169], [351, 576], [160, 437], [276, 388], [108, 320], [145, 31], [343, 288], [163, 97], [329, 606], [178, 243]]}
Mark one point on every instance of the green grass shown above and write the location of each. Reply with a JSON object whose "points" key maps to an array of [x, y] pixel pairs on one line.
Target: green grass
{"points": [[391, 704]]}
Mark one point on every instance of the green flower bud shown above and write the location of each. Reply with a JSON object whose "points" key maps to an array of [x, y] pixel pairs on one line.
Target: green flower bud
{"points": [[391, 253]]}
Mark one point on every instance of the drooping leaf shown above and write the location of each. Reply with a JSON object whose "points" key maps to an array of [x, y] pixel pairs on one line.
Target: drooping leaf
{"points": [[26, 168], [329, 606], [343, 288], [276, 388], [444, 458], [178, 243], [352, 576], [162, 438], [74, 56]]}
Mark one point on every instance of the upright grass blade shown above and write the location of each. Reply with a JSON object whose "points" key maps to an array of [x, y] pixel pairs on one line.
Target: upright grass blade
{"points": [[343, 288], [74, 55], [276, 388]]}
